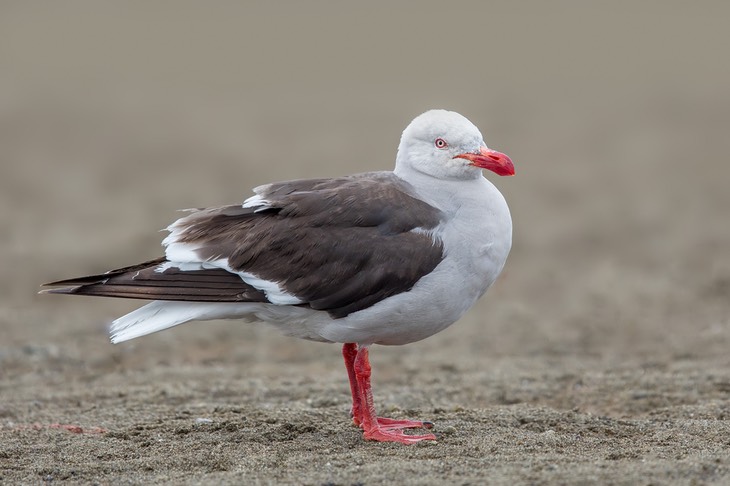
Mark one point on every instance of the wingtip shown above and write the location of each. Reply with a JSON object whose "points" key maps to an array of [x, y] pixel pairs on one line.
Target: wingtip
{"points": [[52, 284], [58, 283], [61, 290]]}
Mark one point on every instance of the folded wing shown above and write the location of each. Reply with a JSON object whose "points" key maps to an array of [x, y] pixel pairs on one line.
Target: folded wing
{"points": [[337, 245]]}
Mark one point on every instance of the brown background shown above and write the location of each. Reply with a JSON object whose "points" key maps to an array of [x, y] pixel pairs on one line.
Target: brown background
{"points": [[601, 354]]}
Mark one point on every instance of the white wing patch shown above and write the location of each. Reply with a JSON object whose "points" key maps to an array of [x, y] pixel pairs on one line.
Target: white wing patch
{"points": [[257, 201], [274, 293]]}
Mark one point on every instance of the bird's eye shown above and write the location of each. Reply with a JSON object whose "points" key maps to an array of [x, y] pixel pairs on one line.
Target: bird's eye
{"points": [[440, 143]]}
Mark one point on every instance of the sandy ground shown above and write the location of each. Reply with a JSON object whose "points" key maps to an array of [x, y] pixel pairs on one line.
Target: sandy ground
{"points": [[601, 356]]}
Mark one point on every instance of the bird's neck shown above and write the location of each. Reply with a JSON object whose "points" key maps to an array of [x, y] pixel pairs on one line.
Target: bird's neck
{"points": [[448, 195]]}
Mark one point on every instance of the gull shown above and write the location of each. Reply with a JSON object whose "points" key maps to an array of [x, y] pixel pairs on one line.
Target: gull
{"points": [[389, 257]]}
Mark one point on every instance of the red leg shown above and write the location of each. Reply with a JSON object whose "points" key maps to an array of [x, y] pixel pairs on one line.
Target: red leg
{"points": [[376, 428], [349, 351]]}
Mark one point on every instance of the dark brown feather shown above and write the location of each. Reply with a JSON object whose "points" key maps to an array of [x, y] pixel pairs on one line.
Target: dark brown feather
{"points": [[144, 281], [339, 245]]}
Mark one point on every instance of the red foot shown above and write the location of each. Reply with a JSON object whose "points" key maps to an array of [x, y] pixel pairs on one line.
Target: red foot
{"points": [[363, 410], [392, 424]]}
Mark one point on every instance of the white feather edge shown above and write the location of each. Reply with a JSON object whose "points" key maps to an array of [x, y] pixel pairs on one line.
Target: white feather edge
{"points": [[257, 201]]}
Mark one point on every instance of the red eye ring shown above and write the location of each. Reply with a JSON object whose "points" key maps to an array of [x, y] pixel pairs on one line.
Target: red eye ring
{"points": [[440, 143]]}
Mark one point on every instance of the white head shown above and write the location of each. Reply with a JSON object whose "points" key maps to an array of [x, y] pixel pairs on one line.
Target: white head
{"points": [[445, 145]]}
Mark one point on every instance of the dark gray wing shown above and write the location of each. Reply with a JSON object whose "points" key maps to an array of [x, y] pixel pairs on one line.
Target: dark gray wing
{"points": [[338, 245]]}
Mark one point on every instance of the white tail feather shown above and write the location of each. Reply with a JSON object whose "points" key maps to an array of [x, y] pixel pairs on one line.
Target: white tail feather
{"points": [[160, 315]]}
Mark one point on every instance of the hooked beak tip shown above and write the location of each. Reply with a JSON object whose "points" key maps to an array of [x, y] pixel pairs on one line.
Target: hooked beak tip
{"points": [[489, 159]]}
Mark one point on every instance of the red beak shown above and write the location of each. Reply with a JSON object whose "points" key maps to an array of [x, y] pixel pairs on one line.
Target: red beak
{"points": [[492, 160]]}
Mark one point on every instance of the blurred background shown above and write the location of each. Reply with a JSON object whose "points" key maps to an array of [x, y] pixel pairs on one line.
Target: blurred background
{"points": [[113, 115]]}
